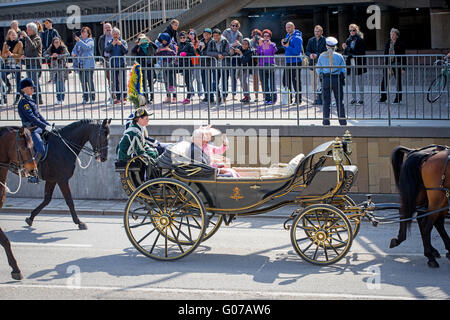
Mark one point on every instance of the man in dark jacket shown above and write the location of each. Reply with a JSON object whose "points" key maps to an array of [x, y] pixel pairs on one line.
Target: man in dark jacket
{"points": [[102, 42], [48, 35], [219, 48], [397, 65], [32, 53], [316, 45], [205, 63]]}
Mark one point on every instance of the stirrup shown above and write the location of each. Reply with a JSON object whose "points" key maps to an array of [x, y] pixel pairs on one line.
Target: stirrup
{"points": [[33, 179]]}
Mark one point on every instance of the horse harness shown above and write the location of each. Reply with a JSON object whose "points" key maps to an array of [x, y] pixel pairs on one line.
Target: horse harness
{"points": [[20, 165], [436, 149]]}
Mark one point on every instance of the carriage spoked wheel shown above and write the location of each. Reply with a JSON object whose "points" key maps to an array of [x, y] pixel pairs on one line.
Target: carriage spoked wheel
{"points": [[354, 218], [321, 234], [214, 220], [165, 219]]}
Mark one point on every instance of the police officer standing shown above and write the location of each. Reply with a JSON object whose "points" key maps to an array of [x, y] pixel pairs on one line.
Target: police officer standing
{"points": [[333, 79], [30, 116]]}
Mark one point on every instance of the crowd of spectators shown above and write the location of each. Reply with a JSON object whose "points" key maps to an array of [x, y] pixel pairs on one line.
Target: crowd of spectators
{"points": [[175, 52]]}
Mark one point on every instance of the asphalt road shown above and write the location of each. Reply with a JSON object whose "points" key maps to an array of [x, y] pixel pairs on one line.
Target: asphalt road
{"points": [[251, 259]]}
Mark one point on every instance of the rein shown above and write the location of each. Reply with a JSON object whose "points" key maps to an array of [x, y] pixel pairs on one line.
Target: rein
{"points": [[92, 153]]}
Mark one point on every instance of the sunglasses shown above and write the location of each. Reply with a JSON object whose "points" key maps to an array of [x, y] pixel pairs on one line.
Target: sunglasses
{"points": [[234, 25], [352, 30], [266, 36]]}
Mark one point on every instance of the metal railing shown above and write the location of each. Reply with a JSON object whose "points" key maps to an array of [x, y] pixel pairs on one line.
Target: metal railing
{"points": [[206, 88], [145, 15]]}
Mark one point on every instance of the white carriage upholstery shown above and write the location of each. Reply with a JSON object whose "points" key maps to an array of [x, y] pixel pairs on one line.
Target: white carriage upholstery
{"points": [[275, 171]]}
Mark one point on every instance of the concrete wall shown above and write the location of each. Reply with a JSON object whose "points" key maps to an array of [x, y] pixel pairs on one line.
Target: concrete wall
{"points": [[440, 29], [372, 150]]}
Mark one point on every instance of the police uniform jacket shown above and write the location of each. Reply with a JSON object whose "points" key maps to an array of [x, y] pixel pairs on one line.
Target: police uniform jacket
{"points": [[29, 113]]}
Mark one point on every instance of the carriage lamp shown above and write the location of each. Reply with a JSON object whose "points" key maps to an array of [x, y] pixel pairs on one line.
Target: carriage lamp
{"points": [[338, 151], [347, 140]]}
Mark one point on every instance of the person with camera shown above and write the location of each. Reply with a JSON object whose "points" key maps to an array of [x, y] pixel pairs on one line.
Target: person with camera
{"points": [[293, 46], [117, 49], [57, 54], [83, 52], [144, 50]]}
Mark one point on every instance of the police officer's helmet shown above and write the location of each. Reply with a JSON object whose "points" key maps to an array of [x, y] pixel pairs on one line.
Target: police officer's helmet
{"points": [[27, 82]]}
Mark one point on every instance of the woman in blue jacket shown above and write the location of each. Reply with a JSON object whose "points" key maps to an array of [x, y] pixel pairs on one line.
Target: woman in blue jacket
{"points": [[83, 52]]}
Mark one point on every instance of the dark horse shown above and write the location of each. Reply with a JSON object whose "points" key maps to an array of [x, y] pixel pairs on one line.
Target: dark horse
{"points": [[59, 164], [423, 179], [16, 155]]}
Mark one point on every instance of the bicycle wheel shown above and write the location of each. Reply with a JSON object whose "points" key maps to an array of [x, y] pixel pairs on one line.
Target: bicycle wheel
{"points": [[436, 88]]}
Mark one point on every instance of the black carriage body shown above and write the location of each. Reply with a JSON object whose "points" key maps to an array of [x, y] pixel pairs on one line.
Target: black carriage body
{"points": [[260, 190]]}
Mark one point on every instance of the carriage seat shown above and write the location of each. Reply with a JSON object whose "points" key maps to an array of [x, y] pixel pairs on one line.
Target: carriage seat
{"points": [[275, 171], [121, 165]]}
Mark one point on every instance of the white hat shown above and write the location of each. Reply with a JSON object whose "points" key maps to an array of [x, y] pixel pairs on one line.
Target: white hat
{"points": [[331, 41]]}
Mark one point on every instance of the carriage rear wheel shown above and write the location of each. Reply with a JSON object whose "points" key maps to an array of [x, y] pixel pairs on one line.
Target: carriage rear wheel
{"points": [[321, 234], [165, 219]]}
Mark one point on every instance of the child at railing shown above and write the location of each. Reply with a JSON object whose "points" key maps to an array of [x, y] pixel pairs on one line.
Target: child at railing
{"points": [[167, 51]]}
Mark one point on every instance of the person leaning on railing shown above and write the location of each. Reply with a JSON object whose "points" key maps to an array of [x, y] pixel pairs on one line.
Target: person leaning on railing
{"points": [[185, 49], [245, 55], [144, 50], [12, 51], [117, 49], [57, 54], [84, 62], [205, 63], [254, 42], [267, 75], [167, 51]]}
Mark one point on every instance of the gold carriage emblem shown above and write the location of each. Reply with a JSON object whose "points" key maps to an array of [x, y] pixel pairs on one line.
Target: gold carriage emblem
{"points": [[236, 194]]}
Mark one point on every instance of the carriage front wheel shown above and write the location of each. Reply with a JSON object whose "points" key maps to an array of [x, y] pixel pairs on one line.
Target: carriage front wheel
{"points": [[321, 234], [164, 219]]}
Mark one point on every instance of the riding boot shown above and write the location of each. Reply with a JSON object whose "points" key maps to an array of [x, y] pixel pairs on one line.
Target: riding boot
{"points": [[35, 179]]}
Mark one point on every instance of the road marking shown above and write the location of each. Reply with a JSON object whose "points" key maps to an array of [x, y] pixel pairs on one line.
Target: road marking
{"points": [[260, 294], [31, 244]]}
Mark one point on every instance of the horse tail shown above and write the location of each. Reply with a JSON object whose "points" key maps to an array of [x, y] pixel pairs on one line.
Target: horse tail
{"points": [[409, 184], [397, 161]]}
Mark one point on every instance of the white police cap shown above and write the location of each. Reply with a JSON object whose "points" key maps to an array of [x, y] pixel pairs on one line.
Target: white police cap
{"points": [[331, 41]]}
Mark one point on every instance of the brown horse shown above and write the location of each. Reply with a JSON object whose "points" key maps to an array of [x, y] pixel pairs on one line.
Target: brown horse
{"points": [[423, 179], [16, 155]]}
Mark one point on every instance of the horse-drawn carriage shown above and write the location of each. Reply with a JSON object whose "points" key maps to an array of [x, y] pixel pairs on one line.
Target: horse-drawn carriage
{"points": [[176, 203]]}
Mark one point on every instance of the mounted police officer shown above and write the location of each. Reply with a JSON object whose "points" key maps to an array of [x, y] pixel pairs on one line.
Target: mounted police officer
{"points": [[333, 79], [31, 117]]}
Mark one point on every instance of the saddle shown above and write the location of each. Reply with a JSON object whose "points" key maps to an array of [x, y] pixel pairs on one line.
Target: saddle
{"points": [[430, 151]]}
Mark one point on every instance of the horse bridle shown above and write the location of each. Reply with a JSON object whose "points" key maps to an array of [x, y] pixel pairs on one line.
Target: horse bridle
{"points": [[18, 167], [93, 153]]}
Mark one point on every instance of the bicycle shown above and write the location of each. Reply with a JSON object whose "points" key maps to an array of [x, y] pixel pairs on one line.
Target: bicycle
{"points": [[438, 85]]}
